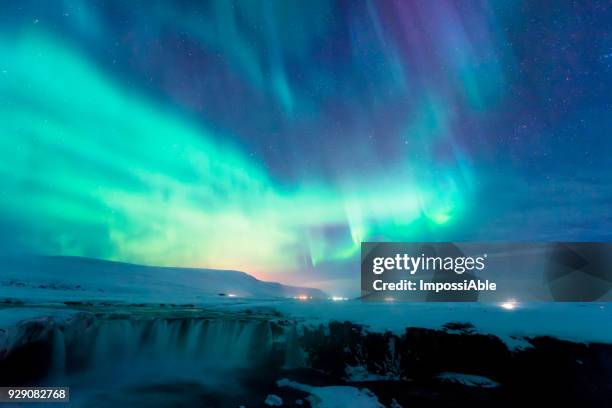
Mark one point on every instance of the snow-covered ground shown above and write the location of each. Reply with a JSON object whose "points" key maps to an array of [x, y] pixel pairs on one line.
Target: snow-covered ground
{"points": [[44, 283], [469, 380], [580, 322], [232, 330], [335, 396], [51, 278], [10, 316]]}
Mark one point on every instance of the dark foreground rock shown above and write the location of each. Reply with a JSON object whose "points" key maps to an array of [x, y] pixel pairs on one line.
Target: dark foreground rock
{"points": [[451, 367]]}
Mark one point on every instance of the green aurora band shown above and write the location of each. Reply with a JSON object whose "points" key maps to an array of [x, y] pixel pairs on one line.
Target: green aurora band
{"points": [[96, 169]]}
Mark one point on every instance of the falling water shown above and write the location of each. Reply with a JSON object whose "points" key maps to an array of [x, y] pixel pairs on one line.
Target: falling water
{"points": [[108, 356], [58, 354], [194, 342]]}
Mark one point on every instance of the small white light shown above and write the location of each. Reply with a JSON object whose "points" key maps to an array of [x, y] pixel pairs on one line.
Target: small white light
{"points": [[231, 295], [509, 305], [338, 298]]}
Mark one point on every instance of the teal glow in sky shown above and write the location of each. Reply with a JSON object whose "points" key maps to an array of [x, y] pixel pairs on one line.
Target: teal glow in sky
{"points": [[274, 138], [88, 157]]}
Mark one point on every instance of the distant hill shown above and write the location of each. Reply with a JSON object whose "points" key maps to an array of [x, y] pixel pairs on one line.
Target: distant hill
{"points": [[59, 277]]}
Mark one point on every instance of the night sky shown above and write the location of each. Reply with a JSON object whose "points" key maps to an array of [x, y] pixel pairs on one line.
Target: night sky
{"points": [[274, 136]]}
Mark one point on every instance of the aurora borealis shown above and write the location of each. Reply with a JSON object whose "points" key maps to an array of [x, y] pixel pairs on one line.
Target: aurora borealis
{"points": [[274, 136]]}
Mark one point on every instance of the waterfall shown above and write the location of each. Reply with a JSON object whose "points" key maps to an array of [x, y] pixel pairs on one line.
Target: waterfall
{"points": [[180, 343], [98, 354], [294, 355], [58, 354]]}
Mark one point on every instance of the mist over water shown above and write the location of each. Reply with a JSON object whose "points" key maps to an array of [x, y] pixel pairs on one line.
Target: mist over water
{"points": [[163, 361]]}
